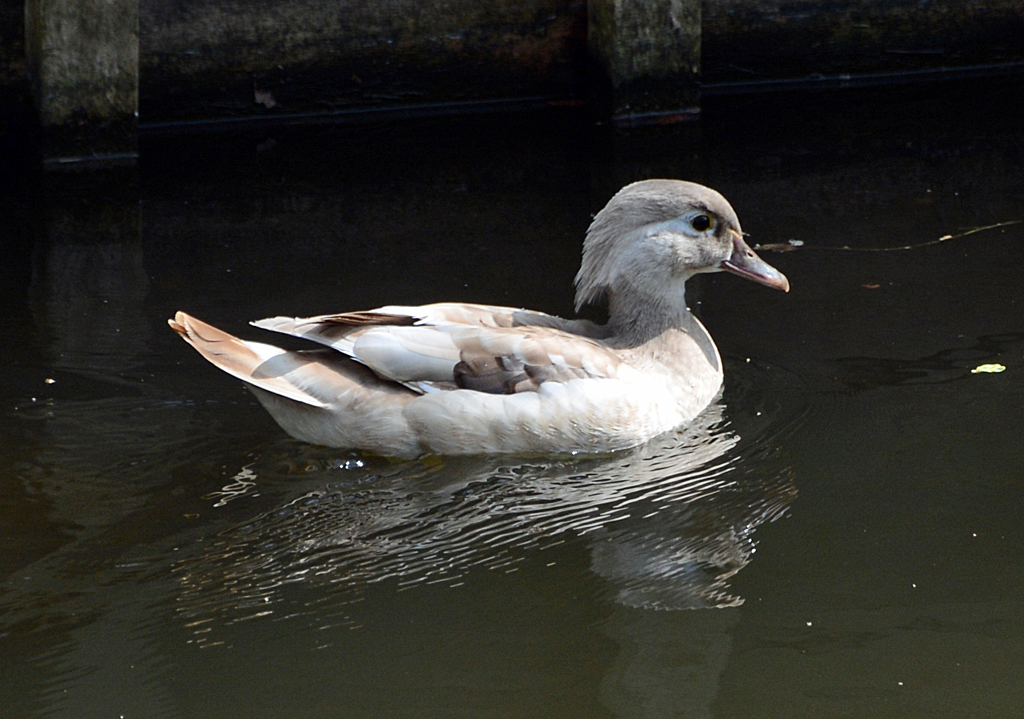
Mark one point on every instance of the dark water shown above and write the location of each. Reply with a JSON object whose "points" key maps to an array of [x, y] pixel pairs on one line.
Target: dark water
{"points": [[840, 536]]}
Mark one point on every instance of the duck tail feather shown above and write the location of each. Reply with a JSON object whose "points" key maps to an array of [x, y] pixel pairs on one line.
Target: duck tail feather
{"points": [[255, 363]]}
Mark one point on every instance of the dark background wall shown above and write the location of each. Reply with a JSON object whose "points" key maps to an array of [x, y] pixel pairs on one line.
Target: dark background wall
{"points": [[308, 55], [228, 58], [767, 39]]}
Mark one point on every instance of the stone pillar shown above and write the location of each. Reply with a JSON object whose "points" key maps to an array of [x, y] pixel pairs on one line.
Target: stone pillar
{"points": [[83, 65], [649, 54]]}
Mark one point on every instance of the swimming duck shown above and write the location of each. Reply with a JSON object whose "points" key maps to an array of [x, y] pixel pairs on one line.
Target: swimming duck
{"points": [[455, 378]]}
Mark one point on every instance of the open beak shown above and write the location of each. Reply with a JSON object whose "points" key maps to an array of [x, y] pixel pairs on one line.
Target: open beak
{"points": [[745, 263]]}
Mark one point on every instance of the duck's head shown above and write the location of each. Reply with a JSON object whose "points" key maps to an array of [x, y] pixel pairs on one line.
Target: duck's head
{"points": [[654, 235]]}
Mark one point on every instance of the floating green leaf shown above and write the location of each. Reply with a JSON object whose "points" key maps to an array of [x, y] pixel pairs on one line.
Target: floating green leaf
{"points": [[988, 369]]}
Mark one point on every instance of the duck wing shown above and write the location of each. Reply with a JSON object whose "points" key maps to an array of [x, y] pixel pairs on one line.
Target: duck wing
{"points": [[325, 329], [497, 350]]}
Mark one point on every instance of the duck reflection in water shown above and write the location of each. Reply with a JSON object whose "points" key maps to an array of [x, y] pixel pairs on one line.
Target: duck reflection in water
{"points": [[667, 524]]}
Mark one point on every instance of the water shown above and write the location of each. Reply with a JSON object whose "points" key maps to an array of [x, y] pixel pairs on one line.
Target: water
{"points": [[839, 536]]}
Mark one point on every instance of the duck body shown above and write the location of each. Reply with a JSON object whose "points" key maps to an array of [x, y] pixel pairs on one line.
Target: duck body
{"points": [[456, 378]]}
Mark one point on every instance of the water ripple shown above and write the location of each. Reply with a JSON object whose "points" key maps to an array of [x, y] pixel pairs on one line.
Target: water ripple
{"points": [[666, 525]]}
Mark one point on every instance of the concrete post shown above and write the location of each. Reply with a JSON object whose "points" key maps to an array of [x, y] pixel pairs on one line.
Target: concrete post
{"points": [[83, 64], [649, 52]]}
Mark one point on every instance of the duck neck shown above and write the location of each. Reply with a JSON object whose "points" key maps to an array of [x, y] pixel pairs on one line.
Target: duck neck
{"points": [[659, 330], [636, 319]]}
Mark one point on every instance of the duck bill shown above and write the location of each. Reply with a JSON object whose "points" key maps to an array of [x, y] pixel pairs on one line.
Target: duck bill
{"points": [[745, 263]]}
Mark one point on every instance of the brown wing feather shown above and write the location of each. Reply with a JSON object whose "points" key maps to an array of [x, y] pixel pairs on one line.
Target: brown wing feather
{"points": [[366, 317], [507, 375], [540, 355]]}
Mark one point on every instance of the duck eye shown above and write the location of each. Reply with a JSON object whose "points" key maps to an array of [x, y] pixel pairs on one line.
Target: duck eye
{"points": [[702, 223]]}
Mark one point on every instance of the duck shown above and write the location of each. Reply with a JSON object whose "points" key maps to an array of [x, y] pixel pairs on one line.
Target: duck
{"points": [[456, 378]]}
